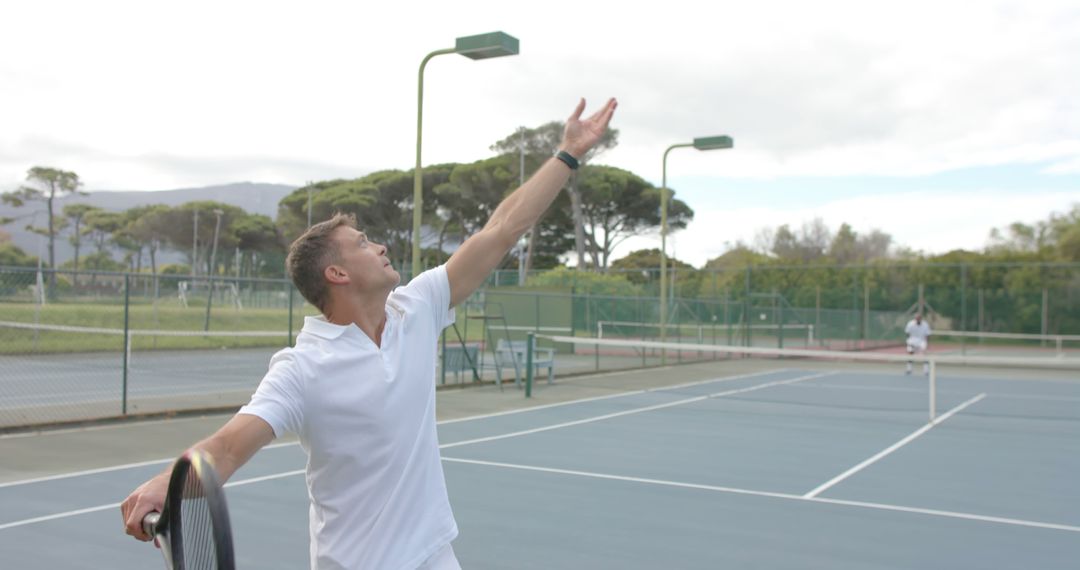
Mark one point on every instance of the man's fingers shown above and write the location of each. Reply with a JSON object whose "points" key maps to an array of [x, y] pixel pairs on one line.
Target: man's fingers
{"points": [[609, 110], [576, 115], [133, 514], [603, 116], [135, 529]]}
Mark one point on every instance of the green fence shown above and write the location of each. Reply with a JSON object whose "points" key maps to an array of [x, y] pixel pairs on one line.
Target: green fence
{"points": [[85, 345], [856, 301]]}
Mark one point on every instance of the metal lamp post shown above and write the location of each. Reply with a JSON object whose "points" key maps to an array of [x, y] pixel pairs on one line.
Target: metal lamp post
{"points": [[702, 143], [483, 46]]}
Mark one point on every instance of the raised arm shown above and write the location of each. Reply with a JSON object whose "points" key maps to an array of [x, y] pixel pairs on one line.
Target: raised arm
{"points": [[470, 265], [229, 448]]}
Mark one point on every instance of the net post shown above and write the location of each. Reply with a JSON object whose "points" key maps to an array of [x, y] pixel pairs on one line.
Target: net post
{"points": [[531, 338], [933, 390]]}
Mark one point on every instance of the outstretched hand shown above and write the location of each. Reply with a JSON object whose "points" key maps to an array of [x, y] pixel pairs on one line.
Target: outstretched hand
{"points": [[580, 134]]}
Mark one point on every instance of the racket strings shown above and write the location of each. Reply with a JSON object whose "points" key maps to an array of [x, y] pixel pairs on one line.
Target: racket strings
{"points": [[197, 524]]}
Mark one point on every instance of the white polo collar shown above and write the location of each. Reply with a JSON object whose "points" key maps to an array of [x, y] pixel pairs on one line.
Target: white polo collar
{"points": [[320, 327]]}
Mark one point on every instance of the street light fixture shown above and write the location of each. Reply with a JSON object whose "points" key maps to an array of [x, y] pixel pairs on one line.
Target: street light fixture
{"points": [[483, 46], [701, 143]]}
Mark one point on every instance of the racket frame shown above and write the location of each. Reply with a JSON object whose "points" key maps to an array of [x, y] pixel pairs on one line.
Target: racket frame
{"points": [[164, 526]]}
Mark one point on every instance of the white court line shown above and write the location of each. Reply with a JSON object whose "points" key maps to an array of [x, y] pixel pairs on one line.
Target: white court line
{"points": [[632, 411], [114, 468], [98, 508], [55, 516], [265, 478], [775, 495], [618, 395], [891, 448], [271, 446]]}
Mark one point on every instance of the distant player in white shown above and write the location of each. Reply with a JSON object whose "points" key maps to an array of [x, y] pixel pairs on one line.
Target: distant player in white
{"points": [[918, 331]]}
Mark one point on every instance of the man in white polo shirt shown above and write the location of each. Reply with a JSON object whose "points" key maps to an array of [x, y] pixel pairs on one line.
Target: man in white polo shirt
{"points": [[918, 332], [358, 388]]}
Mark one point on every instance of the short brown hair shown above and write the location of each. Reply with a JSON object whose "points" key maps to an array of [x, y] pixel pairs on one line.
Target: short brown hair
{"points": [[311, 253]]}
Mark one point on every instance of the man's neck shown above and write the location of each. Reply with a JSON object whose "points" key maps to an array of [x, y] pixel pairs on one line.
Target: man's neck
{"points": [[368, 315]]}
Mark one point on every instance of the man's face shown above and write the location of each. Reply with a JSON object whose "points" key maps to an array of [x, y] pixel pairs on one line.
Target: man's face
{"points": [[364, 261], [918, 319]]}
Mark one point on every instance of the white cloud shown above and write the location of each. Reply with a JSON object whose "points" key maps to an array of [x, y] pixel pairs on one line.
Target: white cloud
{"points": [[933, 221], [1065, 166], [825, 88], [143, 95]]}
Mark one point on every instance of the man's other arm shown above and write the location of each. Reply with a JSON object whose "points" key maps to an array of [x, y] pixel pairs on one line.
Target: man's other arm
{"points": [[470, 265], [229, 448]]}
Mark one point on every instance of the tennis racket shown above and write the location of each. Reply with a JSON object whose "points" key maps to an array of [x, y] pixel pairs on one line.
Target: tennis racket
{"points": [[193, 527]]}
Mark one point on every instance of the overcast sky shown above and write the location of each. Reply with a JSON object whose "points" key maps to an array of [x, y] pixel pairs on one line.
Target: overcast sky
{"points": [[933, 121]]}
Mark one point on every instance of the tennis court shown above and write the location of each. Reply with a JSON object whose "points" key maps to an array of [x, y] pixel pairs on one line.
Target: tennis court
{"points": [[740, 463]]}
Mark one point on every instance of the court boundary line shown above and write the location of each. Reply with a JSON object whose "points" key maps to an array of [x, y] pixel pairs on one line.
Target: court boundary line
{"points": [[888, 450], [617, 395], [775, 495], [633, 411], [456, 420], [88, 510], [54, 516], [808, 497], [99, 470]]}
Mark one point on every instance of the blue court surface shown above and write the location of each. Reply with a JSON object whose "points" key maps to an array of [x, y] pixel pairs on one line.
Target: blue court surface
{"points": [[784, 468]]}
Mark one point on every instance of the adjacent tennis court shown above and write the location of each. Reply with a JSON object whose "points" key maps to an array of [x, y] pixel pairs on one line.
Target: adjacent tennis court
{"points": [[733, 463]]}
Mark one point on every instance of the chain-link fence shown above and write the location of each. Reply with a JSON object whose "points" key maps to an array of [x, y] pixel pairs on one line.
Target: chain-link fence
{"points": [[858, 303], [82, 345], [86, 345]]}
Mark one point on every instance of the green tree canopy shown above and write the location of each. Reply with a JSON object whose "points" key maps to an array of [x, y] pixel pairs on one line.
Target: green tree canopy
{"points": [[259, 242], [642, 265], [13, 256], [618, 204], [75, 213], [537, 146], [46, 185]]}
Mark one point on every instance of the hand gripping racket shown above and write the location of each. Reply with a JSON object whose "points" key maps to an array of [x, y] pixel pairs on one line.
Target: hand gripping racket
{"points": [[193, 527]]}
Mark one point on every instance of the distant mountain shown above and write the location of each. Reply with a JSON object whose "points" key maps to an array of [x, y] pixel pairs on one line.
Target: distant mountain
{"points": [[253, 197]]}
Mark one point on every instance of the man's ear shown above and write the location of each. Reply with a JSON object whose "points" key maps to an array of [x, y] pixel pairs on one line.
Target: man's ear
{"points": [[335, 274]]}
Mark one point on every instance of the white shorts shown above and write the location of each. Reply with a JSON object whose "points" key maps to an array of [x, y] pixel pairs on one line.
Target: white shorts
{"points": [[444, 559], [915, 345]]}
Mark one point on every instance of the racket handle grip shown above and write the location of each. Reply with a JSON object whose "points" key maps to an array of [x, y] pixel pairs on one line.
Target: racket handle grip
{"points": [[149, 522]]}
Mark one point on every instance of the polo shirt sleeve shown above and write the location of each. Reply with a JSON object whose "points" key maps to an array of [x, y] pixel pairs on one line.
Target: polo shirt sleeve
{"points": [[433, 286], [279, 398]]}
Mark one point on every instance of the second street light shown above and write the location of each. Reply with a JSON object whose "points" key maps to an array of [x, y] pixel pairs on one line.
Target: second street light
{"points": [[483, 46], [702, 143]]}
